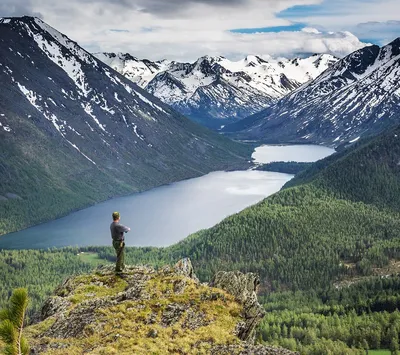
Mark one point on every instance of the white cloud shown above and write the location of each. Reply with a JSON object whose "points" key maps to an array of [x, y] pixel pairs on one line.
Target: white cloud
{"points": [[165, 43], [184, 29], [346, 14], [310, 30], [382, 32]]}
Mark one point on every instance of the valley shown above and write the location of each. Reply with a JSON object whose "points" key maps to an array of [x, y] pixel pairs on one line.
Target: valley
{"points": [[288, 169], [77, 133], [301, 242]]}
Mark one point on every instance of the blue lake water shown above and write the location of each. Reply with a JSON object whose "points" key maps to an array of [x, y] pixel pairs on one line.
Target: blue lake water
{"points": [[165, 215]]}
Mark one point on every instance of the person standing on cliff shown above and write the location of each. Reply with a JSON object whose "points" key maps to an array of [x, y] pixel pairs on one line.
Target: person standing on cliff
{"points": [[118, 240]]}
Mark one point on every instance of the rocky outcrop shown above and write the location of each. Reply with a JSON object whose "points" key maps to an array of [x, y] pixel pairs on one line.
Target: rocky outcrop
{"points": [[244, 288], [249, 350], [185, 267], [149, 311]]}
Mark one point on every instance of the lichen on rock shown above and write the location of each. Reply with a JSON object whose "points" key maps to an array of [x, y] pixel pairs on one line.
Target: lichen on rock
{"points": [[150, 312]]}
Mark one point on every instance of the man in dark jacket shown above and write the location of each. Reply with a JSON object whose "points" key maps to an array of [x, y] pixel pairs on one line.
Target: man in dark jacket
{"points": [[118, 238]]}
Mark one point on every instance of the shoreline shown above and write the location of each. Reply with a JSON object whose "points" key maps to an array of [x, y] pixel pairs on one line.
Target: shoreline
{"points": [[246, 166]]}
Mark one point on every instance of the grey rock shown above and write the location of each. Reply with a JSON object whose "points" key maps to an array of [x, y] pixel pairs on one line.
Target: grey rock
{"points": [[65, 288], [249, 350], [152, 333], [73, 323], [151, 319], [185, 268], [194, 320], [212, 296], [240, 285], [54, 305], [244, 288], [173, 313], [179, 286]]}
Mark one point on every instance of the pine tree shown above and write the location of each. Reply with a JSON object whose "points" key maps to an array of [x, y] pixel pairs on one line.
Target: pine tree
{"points": [[12, 324]]}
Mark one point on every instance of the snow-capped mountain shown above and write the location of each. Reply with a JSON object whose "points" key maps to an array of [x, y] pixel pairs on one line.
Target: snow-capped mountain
{"points": [[358, 95], [63, 111], [140, 72], [215, 90]]}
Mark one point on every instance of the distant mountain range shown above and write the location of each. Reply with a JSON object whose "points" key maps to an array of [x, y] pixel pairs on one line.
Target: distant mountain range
{"points": [[359, 95], [216, 91], [73, 131]]}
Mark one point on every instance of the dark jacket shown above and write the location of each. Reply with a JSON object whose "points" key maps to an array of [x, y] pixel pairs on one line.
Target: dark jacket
{"points": [[117, 231]]}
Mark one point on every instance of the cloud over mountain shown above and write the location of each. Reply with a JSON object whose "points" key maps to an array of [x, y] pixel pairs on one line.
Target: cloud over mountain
{"points": [[185, 30]]}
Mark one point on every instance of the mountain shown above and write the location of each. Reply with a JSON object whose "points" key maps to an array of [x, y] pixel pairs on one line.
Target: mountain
{"points": [[139, 71], [151, 312], [214, 90], [359, 95], [74, 132]]}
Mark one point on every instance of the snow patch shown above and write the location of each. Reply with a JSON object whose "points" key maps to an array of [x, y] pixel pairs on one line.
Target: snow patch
{"points": [[116, 97], [52, 101], [141, 137], [89, 110], [5, 128], [81, 152], [69, 64], [67, 43]]}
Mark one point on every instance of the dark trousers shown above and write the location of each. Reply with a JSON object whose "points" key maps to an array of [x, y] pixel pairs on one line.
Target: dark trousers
{"points": [[119, 247]]}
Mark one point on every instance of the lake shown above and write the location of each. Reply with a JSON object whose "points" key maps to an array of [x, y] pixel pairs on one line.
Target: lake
{"points": [[299, 153], [165, 215]]}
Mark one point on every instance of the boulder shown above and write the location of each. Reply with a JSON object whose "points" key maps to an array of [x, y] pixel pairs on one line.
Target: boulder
{"points": [[185, 268], [244, 288]]}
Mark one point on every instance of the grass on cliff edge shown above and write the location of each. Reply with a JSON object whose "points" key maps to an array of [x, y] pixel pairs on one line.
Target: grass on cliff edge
{"points": [[124, 328]]}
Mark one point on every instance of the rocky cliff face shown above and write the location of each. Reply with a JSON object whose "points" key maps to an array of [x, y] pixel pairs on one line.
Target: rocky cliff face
{"points": [[151, 312]]}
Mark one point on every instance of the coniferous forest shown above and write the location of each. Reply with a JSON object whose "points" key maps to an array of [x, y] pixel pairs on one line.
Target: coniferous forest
{"points": [[327, 249]]}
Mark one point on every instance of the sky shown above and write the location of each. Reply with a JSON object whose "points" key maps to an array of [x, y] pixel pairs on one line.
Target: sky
{"points": [[187, 29]]}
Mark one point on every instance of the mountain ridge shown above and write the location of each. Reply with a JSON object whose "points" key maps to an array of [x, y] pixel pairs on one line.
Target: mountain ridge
{"points": [[215, 90], [357, 96]]}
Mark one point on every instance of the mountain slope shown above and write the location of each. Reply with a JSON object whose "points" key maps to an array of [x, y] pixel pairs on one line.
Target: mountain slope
{"points": [[359, 95], [73, 131], [343, 211], [215, 90]]}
